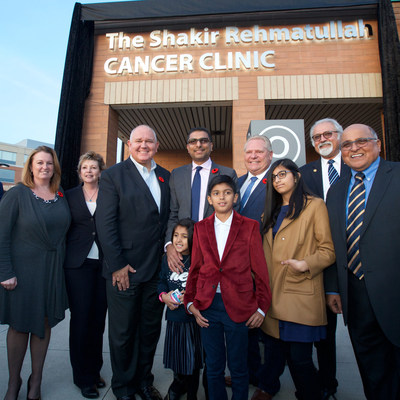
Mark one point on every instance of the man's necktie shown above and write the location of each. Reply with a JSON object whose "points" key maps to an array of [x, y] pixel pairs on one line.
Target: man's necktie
{"points": [[332, 173], [355, 216], [196, 186], [247, 192]]}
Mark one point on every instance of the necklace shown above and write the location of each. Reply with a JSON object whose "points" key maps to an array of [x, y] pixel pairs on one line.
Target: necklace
{"points": [[88, 195]]}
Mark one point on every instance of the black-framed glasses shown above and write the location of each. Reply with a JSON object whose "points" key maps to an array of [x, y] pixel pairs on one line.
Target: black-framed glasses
{"points": [[280, 175], [360, 142], [202, 140], [327, 135]]}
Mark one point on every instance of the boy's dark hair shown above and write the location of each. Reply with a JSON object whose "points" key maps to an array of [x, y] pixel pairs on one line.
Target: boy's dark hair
{"points": [[273, 200], [199, 128], [221, 179], [189, 225]]}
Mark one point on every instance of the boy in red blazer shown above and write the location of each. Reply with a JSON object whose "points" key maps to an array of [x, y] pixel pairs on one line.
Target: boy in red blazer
{"points": [[228, 288]]}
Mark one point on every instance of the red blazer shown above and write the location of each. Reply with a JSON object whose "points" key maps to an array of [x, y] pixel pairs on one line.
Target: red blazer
{"points": [[243, 265]]}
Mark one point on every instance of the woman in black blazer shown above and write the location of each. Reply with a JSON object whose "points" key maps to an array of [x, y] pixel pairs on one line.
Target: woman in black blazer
{"points": [[85, 285]]}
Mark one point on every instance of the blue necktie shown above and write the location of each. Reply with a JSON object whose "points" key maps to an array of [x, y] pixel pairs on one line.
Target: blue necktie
{"points": [[196, 186], [332, 173], [355, 216], [247, 192]]}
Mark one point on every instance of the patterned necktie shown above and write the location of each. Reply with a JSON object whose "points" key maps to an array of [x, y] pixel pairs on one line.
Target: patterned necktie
{"points": [[355, 216], [332, 173], [247, 192], [196, 187]]}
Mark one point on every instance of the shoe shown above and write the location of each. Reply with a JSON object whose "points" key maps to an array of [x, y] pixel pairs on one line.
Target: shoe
{"points": [[128, 397], [149, 393], [100, 384], [28, 389], [90, 392], [261, 395], [228, 381], [171, 395], [328, 393]]}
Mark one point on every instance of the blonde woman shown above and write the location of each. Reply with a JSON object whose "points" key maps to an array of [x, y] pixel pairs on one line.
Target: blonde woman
{"points": [[34, 219]]}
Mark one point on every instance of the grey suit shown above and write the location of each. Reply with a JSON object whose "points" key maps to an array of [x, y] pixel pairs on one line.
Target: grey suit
{"points": [[180, 184]]}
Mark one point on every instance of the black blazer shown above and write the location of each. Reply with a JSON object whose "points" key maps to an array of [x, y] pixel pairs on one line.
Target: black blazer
{"points": [[82, 231], [312, 175], [131, 229], [379, 247], [254, 207]]}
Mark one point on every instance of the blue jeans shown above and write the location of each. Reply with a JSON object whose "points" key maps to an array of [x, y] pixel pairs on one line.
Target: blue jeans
{"points": [[222, 338]]}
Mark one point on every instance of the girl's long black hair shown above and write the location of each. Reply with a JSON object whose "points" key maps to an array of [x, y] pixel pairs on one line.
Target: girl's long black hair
{"points": [[273, 200], [189, 225]]}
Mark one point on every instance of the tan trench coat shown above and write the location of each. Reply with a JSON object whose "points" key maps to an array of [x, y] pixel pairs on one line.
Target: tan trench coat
{"points": [[299, 296]]}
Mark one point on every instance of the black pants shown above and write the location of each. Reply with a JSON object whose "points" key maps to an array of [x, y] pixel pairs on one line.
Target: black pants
{"points": [[326, 353], [377, 358], [86, 290], [299, 359], [134, 325]]}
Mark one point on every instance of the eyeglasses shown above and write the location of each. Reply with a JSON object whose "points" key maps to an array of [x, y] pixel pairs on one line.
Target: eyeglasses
{"points": [[361, 142], [280, 175], [203, 140], [326, 135]]}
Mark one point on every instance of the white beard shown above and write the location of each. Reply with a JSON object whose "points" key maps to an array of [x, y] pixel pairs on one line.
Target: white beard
{"points": [[326, 149]]}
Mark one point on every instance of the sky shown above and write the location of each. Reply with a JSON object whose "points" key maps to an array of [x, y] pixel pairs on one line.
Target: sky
{"points": [[33, 43]]}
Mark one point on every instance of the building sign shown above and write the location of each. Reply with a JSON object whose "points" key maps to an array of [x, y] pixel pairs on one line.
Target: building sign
{"points": [[165, 51]]}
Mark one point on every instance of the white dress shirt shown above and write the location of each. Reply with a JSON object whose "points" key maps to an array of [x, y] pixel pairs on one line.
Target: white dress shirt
{"points": [[204, 176], [325, 178], [151, 180]]}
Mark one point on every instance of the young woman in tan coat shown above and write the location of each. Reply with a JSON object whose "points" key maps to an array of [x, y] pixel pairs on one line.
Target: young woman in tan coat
{"points": [[297, 246]]}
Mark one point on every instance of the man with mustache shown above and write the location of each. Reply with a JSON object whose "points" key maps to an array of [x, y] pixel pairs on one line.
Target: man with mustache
{"points": [[319, 176]]}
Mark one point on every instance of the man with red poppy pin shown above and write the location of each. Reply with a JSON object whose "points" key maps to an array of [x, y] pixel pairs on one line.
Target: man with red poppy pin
{"points": [[131, 217], [189, 181]]}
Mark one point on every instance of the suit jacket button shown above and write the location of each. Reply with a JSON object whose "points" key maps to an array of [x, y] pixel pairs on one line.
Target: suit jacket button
{"points": [[283, 238], [93, 233], [213, 286], [220, 270]]}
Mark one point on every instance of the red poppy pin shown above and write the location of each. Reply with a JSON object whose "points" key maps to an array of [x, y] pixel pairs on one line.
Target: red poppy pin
{"points": [[161, 179], [215, 170], [59, 194], [264, 181]]}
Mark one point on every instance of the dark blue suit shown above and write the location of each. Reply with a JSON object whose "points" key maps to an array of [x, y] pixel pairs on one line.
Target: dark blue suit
{"points": [[254, 209], [326, 349], [1, 190]]}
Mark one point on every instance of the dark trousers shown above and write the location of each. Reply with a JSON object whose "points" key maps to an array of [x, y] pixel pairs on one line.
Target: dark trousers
{"points": [[377, 358], [253, 355], [185, 384], [326, 353], [134, 325], [299, 359], [225, 338], [86, 290]]}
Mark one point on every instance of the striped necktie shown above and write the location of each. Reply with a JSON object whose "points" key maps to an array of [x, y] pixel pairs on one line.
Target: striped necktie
{"points": [[247, 192], [332, 173], [355, 216]]}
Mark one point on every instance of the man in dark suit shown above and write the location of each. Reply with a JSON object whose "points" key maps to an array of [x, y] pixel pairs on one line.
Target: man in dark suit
{"points": [[132, 213], [364, 282], [257, 159], [184, 203], [319, 175]]}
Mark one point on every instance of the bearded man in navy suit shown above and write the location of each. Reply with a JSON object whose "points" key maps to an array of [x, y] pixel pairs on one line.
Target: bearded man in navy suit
{"points": [[132, 214]]}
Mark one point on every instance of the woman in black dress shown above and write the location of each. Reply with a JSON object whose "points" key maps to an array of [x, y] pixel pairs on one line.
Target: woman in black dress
{"points": [[34, 219], [86, 287]]}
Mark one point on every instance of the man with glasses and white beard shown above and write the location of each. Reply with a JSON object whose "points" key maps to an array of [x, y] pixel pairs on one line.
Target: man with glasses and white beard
{"points": [[319, 176]]}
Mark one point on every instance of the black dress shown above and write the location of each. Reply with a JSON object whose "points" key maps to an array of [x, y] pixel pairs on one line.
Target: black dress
{"points": [[32, 248]]}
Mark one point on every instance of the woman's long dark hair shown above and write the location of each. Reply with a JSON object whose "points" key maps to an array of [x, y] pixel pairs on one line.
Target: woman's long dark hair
{"points": [[273, 200]]}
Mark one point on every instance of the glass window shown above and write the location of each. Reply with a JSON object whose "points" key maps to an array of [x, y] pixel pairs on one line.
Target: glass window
{"points": [[8, 157], [7, 175]]}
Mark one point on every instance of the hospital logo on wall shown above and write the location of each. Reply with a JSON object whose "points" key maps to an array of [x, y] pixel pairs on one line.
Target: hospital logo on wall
{"points": [[286, 136]]}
